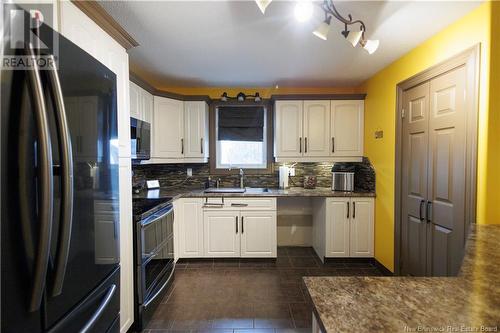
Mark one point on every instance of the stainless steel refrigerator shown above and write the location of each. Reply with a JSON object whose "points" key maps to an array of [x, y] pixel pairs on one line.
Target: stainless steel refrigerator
{"points": [[59, 188]]}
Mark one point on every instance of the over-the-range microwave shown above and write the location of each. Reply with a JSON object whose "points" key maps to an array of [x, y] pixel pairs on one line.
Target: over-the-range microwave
{"points": [[140, 139]]}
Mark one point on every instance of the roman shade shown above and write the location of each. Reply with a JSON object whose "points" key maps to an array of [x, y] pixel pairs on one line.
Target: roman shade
{"points": [[241, 123]]}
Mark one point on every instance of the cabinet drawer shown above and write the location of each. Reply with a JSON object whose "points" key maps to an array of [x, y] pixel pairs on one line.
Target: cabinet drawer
{"points": [[250, 203]]}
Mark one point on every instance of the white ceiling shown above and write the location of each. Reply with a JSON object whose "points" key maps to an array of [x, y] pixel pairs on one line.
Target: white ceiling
{"points": [[230, 43]]}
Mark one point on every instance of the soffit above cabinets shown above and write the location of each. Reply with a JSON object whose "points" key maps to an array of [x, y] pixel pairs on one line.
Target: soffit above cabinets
{"points": [[230, 43]]}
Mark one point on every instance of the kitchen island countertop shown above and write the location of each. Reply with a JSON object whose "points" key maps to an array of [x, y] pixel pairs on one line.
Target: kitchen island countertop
{"points": [[406, 304]]}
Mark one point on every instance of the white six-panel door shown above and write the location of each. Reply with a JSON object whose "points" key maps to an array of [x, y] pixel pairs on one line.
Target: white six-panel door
{"points": [[258, 234], [337, 244], [361, 225], [316, 128], [288, 128], [347, 128], [168, 128], [221, 233], [195, 129]]}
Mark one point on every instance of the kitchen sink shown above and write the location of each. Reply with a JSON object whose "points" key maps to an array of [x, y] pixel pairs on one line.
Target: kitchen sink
{"points": [[225, 190]]}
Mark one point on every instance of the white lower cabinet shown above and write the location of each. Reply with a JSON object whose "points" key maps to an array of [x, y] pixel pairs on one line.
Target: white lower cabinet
{"points": [[221, 233], [258, 234], [228, 231], [348, 229], [189, 221]]}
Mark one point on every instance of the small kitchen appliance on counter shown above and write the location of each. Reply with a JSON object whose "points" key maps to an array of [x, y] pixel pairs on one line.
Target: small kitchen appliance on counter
{"points": [[284, 173], [342, 178]]}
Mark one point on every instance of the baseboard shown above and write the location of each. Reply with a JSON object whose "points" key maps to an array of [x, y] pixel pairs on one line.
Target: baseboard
{"points": [[381, 267]]}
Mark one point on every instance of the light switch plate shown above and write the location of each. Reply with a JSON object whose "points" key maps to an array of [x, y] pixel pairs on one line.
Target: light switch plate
{"points": [[189, 172], [292, 172], [151, 184]]}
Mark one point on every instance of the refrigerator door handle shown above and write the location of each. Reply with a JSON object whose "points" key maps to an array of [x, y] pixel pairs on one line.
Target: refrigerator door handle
{"points": [[46, 194], [66, 153], [107, 298]]}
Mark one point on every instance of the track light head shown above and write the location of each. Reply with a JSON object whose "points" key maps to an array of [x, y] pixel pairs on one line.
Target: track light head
{"points": [[262, 4], [224, 97], [323, 28], [257, 97], [353, 37], [370, 45], [241, 97]]}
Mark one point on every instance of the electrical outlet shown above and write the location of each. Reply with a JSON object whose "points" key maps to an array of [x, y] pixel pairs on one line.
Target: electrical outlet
{"points": [[189, 172], [291, 171], [379, 134]]}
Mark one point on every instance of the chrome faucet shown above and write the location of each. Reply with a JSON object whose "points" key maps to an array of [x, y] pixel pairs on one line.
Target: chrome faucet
{"points": [[242, 182]]}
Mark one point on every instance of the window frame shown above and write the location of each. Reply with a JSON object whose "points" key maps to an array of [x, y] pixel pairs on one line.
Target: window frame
{"points": [[267, 104]]}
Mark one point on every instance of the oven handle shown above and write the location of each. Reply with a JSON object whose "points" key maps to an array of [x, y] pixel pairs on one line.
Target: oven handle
{"points": [[162, 287], [156, 217]]}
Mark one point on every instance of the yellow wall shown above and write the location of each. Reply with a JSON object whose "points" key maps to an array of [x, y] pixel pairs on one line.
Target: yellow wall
{"points": [[380, 115]]}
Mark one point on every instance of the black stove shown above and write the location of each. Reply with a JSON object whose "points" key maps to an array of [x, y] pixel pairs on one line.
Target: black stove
{"points": [[144, 207]]}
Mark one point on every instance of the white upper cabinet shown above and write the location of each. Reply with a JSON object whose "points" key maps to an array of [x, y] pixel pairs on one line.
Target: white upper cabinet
{"points": [[347, 128], [316, 128], [135, 101], [288, 128], [319, 131], [179, 131], [196, 129], [141, 103], [147, 106], [168, 128]]}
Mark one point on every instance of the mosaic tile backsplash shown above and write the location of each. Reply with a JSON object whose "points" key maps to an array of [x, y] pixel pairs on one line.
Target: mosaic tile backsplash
{"points": [[174, 176]]}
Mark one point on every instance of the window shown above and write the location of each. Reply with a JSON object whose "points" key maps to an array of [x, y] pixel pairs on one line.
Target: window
{"points": [[241, 137]]}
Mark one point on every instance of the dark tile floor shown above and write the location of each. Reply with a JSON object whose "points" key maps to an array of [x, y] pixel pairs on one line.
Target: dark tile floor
{"points": [[246, 296]]}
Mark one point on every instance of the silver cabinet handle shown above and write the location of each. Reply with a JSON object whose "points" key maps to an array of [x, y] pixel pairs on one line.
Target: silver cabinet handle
{"points": [[428, 211], [239, 205], [333, 145], [236, 224], [213, 205], [421, 208], [305, 145], [201, 145], [347, 209], [100, 309], [242, 225], [300, 145], [46, 194], [66, 179], [182, 146], [354, 209]]}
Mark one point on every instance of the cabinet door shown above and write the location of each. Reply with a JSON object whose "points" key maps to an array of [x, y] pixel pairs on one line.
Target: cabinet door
{"points": [[195, 125], [258, 234], [147, 106], [190, 227], [337, 227], [288, 129], [221, 233], [316, 128], [347, 128], [135, 101], [361, 234], [168, 128]]}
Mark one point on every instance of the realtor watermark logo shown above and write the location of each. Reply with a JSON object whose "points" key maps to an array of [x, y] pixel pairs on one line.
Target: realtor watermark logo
{"points": [[27, 43]]}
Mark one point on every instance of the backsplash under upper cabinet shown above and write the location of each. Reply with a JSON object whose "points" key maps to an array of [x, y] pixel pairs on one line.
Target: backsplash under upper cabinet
{"points": [[174, 175]]}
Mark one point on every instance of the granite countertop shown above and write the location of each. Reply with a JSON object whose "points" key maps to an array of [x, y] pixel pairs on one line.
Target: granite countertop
{"points": [[251, 192], [406, 304]]}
